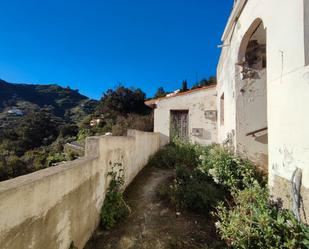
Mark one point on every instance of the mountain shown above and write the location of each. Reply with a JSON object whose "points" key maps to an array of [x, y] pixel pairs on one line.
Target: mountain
{"points": [[65, 103]]}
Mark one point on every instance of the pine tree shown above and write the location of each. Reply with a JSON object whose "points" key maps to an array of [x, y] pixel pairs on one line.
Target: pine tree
{"points": [[184, 86]]}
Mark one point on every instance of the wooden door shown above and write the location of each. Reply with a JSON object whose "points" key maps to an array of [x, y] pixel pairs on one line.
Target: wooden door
{"points": [[179, 124]]}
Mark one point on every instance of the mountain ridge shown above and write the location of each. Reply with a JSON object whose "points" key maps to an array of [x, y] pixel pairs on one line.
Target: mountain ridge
{"points": [[63, 102]]}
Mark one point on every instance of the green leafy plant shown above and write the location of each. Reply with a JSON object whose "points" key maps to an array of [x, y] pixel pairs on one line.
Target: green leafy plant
{"points": [[192, 189], [175, 154], [254, 222], [229, 170], [83, 134], [54, 158], [206, 176], [196, 191], [114, 208]]}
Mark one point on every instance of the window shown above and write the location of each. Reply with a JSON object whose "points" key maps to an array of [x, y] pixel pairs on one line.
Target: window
{"points": [[222, 109]]}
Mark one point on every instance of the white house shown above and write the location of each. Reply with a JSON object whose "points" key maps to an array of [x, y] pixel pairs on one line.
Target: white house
{"points": [[15, 111], [189, 115], [263, 93]]}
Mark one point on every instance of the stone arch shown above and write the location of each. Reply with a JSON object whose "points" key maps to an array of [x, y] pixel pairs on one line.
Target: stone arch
{"points": [[251, 95], [247, 36]]}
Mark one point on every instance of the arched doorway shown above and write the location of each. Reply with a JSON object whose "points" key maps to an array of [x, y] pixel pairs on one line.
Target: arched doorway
{"points": [[251, 96]]}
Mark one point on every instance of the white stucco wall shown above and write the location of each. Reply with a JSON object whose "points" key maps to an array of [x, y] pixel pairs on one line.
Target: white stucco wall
{"points": [[287, 83], [197, 103], [53, 207]]}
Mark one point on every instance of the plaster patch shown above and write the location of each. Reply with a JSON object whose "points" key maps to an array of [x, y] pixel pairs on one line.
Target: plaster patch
{"points": [[287, 157], [63, 231]]}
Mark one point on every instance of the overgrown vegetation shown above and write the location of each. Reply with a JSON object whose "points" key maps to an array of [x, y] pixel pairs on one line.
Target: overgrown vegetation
{"points": [[191, 189], [254, 222], [228, 170], [195, 191], [114, 208], [212, 179], [176, 154], [49, 117], [118, 110], [33, 142], [37, 121]]}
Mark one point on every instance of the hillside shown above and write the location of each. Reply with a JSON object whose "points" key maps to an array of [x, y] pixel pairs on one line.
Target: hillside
{"points": [[38, 121], [62, 102]]}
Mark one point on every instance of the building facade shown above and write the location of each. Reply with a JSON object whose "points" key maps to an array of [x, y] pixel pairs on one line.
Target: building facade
{"points": [[263, 93], [190, 115]]}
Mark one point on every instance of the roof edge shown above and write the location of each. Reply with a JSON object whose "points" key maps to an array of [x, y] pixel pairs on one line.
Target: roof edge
{"points": [[153, 102], [236, 12]]}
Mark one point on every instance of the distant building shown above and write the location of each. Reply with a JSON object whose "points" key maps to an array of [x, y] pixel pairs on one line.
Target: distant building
{"points": [[190, 115], [15, 111], [95, 122]]}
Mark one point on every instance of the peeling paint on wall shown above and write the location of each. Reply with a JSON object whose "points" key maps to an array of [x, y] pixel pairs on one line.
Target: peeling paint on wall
{"points": [[202, 115]]}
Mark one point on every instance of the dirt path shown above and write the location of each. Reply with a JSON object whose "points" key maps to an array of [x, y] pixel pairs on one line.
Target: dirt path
{"points": [[152, 224]]}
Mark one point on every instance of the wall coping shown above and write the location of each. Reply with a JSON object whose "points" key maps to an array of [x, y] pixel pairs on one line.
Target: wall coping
{"points": [[91, 155], [25, 180]]}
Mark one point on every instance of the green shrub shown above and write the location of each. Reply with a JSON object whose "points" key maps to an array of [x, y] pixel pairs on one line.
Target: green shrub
{"points": [[255, 223], [114, 208], [71, 155], [228, 169], [54, 158], [68, 130], [164, 158], [192, 189], [132, 121], [83, 134], [196, 191], [175, 154], [167, 192]]}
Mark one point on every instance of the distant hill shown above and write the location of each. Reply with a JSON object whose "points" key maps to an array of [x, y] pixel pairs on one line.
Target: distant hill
{"points": [[65, 103]]}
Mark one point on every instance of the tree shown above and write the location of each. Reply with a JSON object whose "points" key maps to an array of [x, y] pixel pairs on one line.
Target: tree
{"points": [[203, 82], [122, 101], [35, 129], [160, 93], [184, 86], [212, 80], [68, 130]]}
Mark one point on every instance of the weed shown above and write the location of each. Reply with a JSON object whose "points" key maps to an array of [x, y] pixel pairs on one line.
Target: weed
{"points": [[114, 208], [72, 246], [254, 222]]}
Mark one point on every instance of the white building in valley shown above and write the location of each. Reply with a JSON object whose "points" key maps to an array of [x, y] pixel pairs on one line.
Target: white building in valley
{"points": [[263, 92]]}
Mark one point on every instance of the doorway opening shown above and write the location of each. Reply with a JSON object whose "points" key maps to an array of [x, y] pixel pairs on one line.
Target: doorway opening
{"points": [[251, 93], [179, 125]]}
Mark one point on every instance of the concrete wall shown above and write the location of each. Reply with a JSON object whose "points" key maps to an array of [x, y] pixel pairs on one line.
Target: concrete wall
{"points": [[52, 207], [287, 84], [202, 114]]}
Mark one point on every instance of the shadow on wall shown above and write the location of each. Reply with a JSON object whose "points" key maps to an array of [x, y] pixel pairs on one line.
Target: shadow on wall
{"points": [[61, 204]]}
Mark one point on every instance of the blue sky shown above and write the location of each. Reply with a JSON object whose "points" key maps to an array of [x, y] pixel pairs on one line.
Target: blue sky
{"points": [[93, 45]]}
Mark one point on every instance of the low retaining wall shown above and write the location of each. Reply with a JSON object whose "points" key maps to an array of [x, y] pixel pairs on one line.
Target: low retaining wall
{"points": [[53, 207]]}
